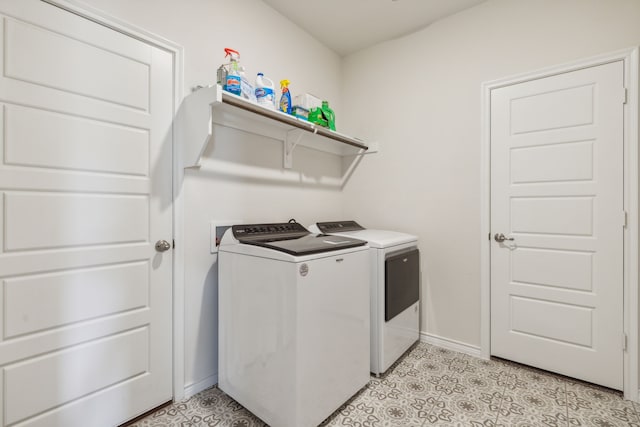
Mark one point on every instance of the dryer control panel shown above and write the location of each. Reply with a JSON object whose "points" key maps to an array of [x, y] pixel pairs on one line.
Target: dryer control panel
{"points": [[338, 226]]}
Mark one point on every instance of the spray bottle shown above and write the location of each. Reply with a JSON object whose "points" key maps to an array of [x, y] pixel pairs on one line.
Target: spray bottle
{"points": [[285, 98], [233, 80]]}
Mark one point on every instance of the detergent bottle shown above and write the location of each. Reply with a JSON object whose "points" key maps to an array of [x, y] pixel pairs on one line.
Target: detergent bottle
{"points": [[265, 94], [328, 115], [285, 98], [234, 80]]}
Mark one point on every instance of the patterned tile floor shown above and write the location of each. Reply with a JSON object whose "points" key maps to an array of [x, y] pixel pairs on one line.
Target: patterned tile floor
{"points": [[432, 386]]}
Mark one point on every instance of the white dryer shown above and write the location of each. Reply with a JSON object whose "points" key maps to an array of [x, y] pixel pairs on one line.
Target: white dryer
{"points": [[395, 289], [293, 321]]}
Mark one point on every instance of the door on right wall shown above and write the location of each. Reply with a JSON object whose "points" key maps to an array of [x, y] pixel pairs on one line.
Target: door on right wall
{"points": [[557, 199]]}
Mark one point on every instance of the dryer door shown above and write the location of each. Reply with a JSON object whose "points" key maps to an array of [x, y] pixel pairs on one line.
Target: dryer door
{"points": [[402, 281]]}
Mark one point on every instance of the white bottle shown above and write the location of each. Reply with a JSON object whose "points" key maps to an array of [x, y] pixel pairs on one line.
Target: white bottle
{"points": [[265, 91]]}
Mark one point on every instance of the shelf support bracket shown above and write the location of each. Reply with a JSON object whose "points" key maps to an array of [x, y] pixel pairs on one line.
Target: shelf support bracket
{"points": [[291, 141]]}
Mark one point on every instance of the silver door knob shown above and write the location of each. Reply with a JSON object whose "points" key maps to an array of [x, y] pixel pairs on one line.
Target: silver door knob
{"points": [[162, 245], [501, 237]]}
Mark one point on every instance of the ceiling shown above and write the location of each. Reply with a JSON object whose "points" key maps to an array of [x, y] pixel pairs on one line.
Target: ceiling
{"points": [[346, 26]]}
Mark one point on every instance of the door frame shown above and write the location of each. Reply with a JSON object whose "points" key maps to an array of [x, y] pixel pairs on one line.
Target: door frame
{"points": [[98, 16], [630, 58]]}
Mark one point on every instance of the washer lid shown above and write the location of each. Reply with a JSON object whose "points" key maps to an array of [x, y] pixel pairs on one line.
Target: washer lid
{"points": [[375, 238], [309, 244], [291, 238], [381, 238]]}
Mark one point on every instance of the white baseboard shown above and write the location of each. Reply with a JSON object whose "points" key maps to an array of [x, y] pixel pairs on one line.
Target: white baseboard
{"points": [[204, 384], [450, 344], [447, 343]]}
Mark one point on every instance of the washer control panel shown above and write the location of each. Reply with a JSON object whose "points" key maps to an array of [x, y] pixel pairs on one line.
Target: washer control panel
{"points": [[269, 231]]}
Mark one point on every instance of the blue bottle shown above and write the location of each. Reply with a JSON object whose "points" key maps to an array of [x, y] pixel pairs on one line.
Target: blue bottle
{"points": [[233, 80]]}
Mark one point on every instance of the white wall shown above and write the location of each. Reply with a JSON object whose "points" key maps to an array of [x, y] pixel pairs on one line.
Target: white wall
{"points": [[420, 97], [241, 175]]}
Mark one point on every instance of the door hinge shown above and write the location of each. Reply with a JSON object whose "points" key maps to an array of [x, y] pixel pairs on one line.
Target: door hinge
{"points": [[173, 244], [624, 95], [489, 236], [624, 342], [624, 218]]}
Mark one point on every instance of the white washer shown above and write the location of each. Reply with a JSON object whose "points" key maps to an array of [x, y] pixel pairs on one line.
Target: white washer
{"points": [[395, 289], [293, 321]]}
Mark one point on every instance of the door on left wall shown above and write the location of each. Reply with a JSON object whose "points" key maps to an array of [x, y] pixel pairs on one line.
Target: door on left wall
{"points": [[86, 192]]}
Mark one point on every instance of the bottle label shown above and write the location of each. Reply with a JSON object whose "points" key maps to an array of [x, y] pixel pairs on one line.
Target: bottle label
{"points": [[265, 93], [261, 92], [233, 84], [284, 104]]}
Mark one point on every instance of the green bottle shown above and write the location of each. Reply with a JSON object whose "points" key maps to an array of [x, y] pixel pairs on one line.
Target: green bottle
{"points": [[329, 115]]}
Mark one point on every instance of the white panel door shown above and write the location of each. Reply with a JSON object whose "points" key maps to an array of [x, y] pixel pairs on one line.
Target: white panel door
{"points": [[85, 192], [557, 191]]}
